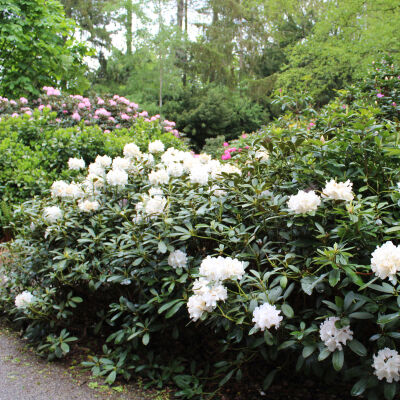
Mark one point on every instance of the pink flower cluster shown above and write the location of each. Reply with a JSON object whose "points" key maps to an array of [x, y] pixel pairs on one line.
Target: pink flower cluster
{"points": [[228, 152], [109, 113]]}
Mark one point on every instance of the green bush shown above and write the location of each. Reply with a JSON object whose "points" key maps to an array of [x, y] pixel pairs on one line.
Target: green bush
{"points": [[34, 153], [278, 262]]}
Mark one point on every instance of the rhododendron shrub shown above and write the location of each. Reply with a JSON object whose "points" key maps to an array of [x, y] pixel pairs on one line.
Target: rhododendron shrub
{"points": [[35, 149], [196, 271]]}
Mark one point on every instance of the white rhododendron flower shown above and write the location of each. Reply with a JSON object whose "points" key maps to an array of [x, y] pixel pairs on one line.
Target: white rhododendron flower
{"points": [[262, 155], [76, 163], [385, 261], [177, 259], [333, 337], [304, 202], [155, 206], [132, 150], [156, 147], [73, 190], [175, 169], [197, 306], [198, 175], [204, 158], [338, 190], [158, 177], [221, 268], [211, 293], [96, 169], [58, 188], [266, 316], [387, 365], [24, 299], [121, 163], [205, 298], [93, 183], [117, 177], [52, 214], [88, 206], [103, 161]]}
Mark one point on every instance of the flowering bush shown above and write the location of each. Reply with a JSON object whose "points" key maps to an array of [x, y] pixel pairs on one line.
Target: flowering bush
{"points": [[36, 144], [253, 267]]}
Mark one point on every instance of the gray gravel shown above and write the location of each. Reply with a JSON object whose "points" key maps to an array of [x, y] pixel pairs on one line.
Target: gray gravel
{"points": [[25, 376]]}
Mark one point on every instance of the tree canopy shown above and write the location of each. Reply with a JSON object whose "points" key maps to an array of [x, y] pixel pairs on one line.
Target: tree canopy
{"points": [[37, 48]]}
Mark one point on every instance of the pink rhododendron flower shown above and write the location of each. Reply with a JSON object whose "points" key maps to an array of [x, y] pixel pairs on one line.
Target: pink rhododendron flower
{"points": [[394, 104], [23, 100], [246, 147], [144, 114], [113, 103], [13, 102], [40, 108], [14, 115], [380, 95], [81, 105], [65, 111], [226, 144], [76, 116], [226, 156], [125, 117], [244, 136], [100, 101], [107, 131]]}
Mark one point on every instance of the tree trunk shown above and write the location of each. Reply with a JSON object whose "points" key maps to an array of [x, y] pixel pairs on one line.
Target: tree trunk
{"points": [[179, 14], [129, 28]]}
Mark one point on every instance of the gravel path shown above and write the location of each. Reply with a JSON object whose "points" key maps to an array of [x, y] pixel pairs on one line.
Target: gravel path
{"points": [[25, 376]]}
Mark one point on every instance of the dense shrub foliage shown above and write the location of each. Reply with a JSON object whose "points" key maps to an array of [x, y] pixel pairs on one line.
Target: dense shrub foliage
{"points": [[194, 270], [36, 141]]}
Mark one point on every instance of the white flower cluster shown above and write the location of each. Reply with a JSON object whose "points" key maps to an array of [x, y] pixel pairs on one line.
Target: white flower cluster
{"points": [[177, 259], [387, 365], [266, 316], [76, 163], [52, 214], [156, 147], [221, 268], [205, 298], [338, 190], [24, 299], [132, 150], [200, 169], [304, 202], [385, 261], [208, 289], [66, 190], [333, 337], [117, 177], [159, 177], [88, 206], [151, 205]]}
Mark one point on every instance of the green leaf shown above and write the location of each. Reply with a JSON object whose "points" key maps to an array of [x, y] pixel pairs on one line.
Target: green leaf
{"points": [[361, 315], [64, 347], [392, 229], [334, 277], [162, 247], [226, 378], [324, 353], [174, 309], [308, 350], [358, 348], [309, 282], [146, 339], [287, 310], [338, 360], [168, 305], [359, 387], [111, 377], [385, 319], [269, 379], [389, 390]]}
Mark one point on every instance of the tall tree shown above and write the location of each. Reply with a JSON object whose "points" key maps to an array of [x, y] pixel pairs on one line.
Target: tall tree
{"points": [[37, 47]]}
